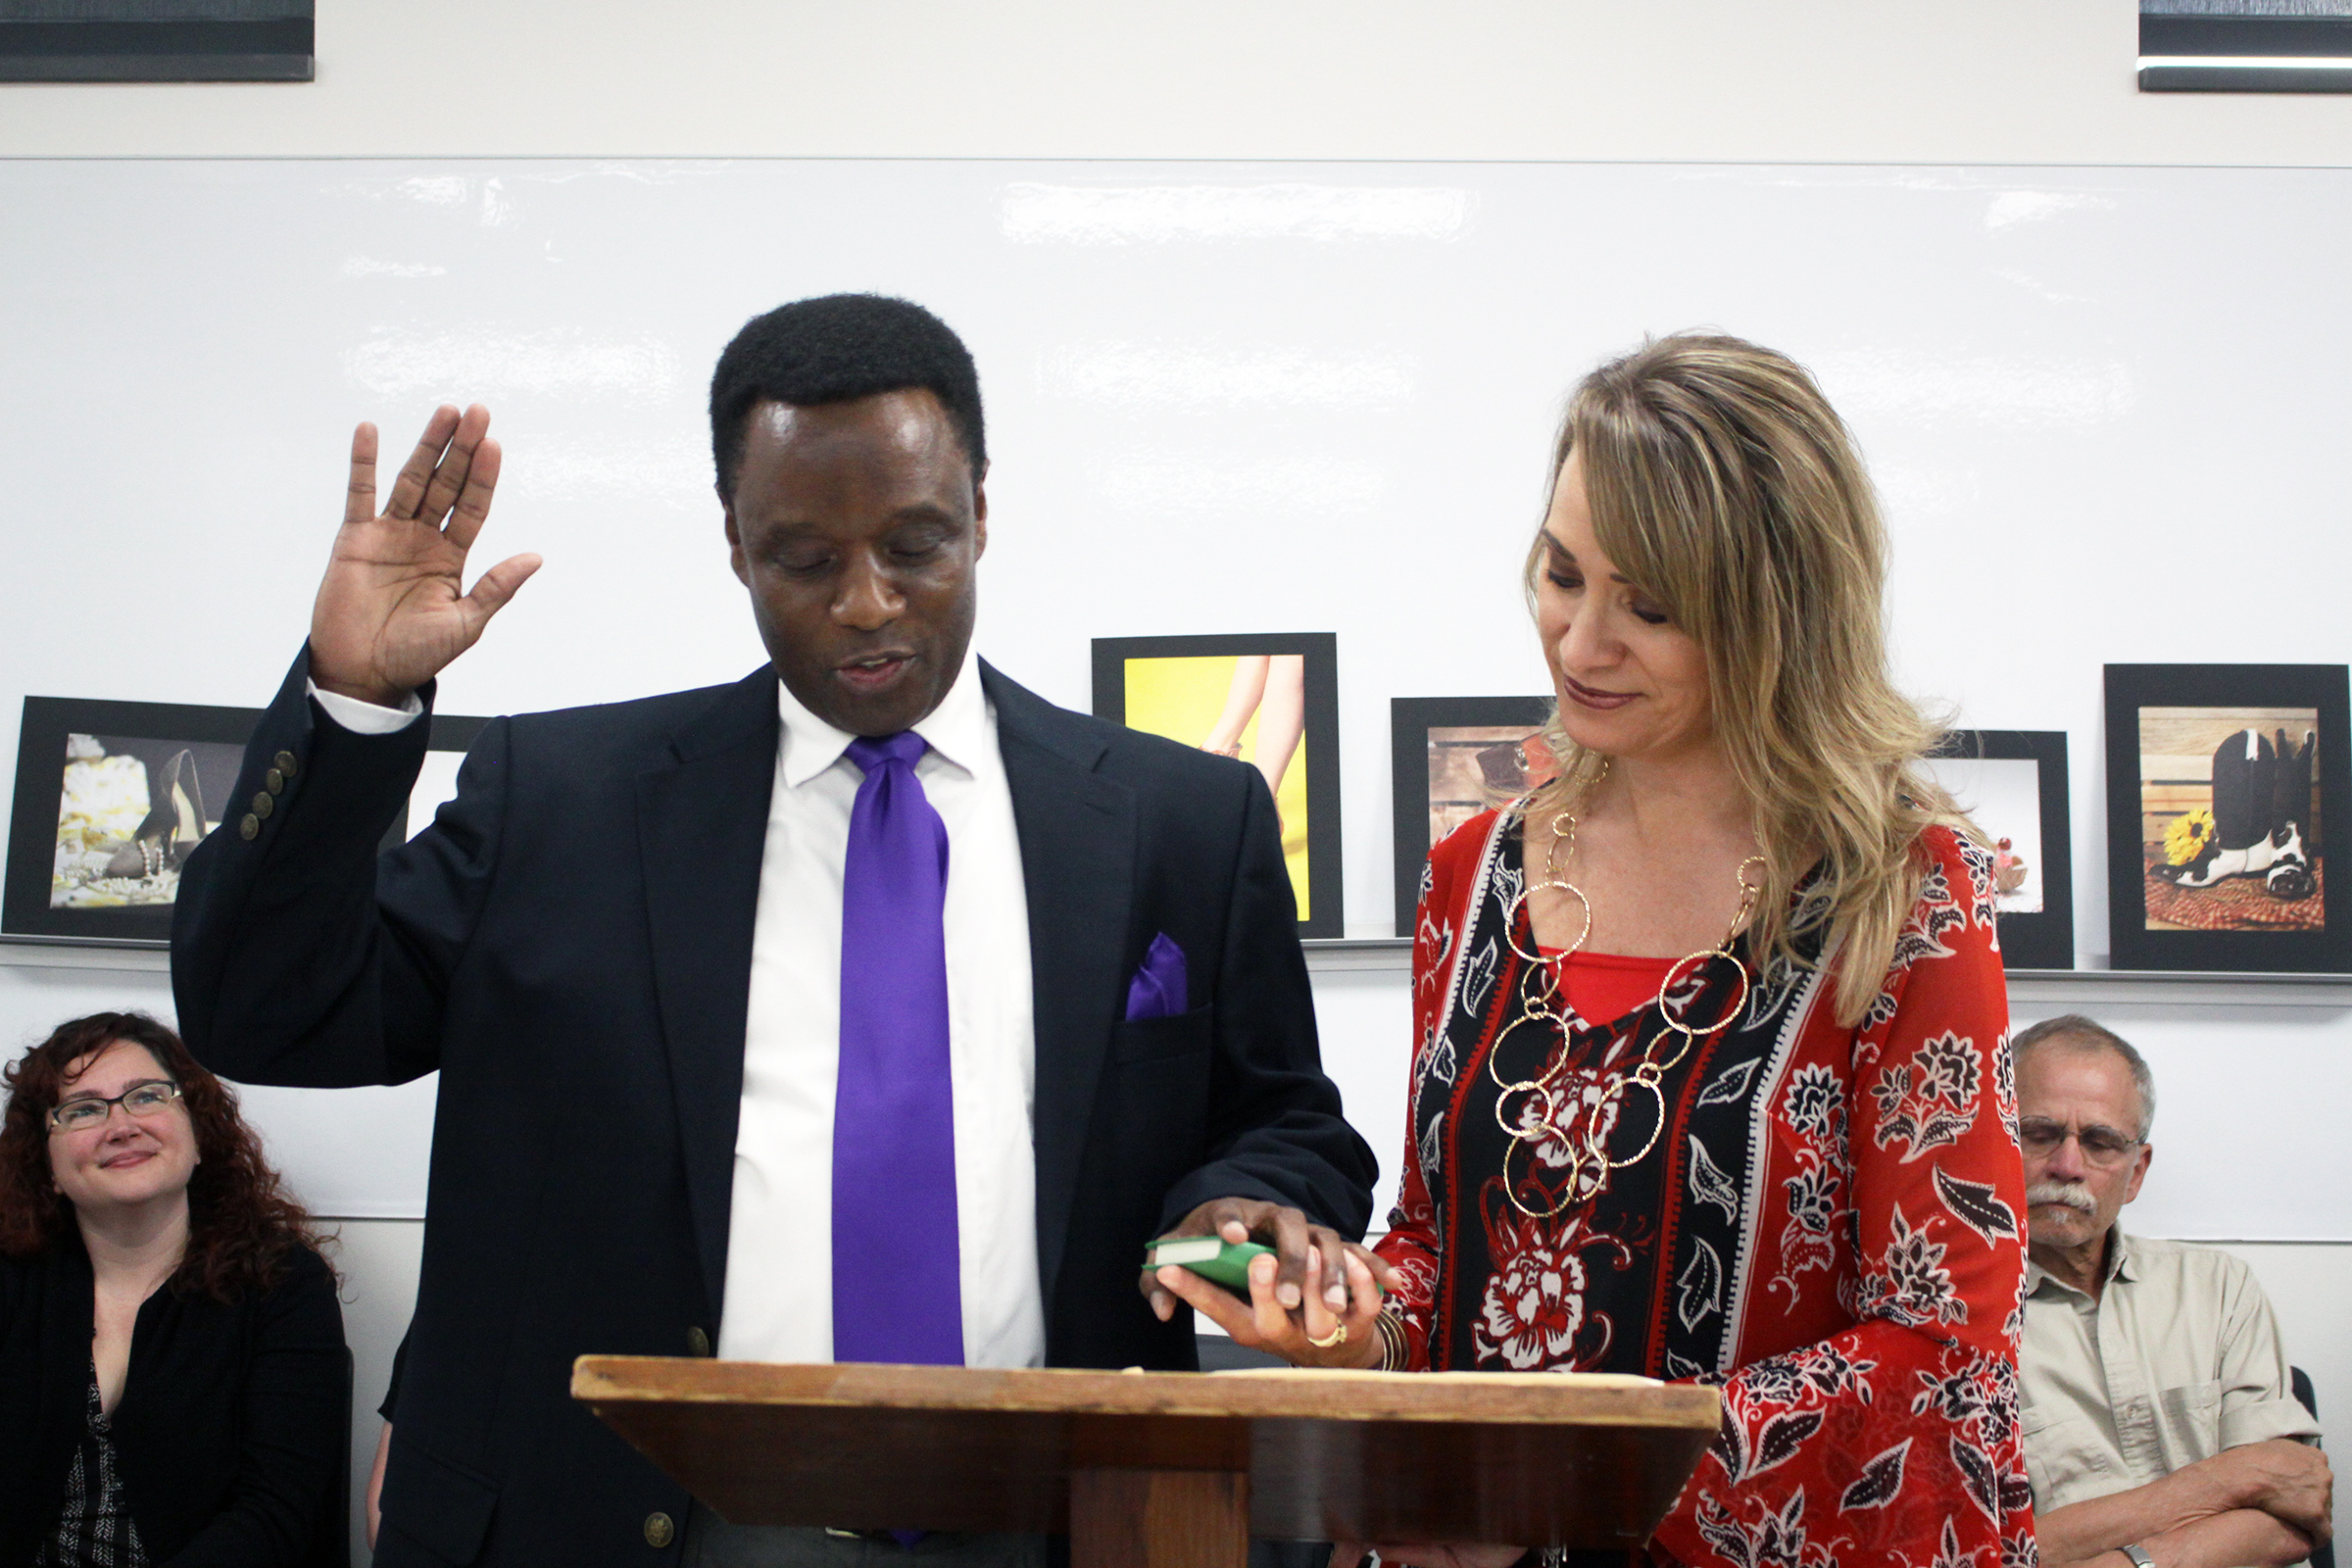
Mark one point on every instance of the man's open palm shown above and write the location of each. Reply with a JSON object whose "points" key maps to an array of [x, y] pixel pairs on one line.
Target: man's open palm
{"points": [[392, 610]]}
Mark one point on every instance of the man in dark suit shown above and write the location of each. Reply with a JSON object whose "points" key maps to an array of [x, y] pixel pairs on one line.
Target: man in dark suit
{"points": [[871, 1007]]}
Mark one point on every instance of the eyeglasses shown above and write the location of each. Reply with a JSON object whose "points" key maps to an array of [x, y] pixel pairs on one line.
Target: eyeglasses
{"points": [[2100, 1146], [85, 1111]]}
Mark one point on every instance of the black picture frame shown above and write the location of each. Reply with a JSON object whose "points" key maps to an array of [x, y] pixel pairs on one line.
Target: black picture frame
{"points": [[1417, 812], [2138, 804], [2240, 46], [1320, 739], [2043, 939], [214, 736], [144, 40]]}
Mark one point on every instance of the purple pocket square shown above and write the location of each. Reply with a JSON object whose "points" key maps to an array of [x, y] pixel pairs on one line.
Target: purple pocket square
{"points": [[1157, 990]]}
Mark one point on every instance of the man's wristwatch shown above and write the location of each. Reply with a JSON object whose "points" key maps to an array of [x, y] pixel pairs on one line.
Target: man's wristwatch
{"points": [[2138, 1555]]}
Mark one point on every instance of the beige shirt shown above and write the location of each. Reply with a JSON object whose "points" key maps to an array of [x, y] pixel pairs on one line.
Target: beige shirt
{"points": [[2178, 1360]]}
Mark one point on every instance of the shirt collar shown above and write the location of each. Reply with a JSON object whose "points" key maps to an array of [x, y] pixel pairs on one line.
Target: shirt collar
{"points": [[956, 729], [2119, 1257]]}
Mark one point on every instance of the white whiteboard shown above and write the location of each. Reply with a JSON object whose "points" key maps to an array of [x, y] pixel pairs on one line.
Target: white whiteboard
{"points": [[2104, 407]]}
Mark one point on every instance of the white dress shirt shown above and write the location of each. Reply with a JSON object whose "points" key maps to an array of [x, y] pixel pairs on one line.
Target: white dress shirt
{"points": [[779, 1302], [779, 1286]]}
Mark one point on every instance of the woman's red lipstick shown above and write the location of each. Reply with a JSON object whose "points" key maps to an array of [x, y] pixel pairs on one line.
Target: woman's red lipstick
{"points": [[1593, 696]]}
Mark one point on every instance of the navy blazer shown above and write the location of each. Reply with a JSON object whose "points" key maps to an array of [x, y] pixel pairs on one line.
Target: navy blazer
{"points": [[233, 1426], [570, 944]]}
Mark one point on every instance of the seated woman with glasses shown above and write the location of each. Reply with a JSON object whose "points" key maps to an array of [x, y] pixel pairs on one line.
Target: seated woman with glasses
{"points": [[173, 1385]]}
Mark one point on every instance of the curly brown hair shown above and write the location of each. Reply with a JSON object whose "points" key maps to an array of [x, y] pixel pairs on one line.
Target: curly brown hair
{"points": [[242, 1225]]}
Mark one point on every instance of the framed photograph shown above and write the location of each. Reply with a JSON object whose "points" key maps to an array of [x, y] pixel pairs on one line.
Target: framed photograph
{"points": [[2012, 784], [111, 797], [2222, 781], [1270, 700], [1452, 757]]}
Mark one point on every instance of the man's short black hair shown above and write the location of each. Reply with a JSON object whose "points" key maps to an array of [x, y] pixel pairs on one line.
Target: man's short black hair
{"points": [[834, 349]]}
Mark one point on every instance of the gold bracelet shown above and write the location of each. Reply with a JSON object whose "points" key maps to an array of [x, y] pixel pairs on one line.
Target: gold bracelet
{"points": [[1395, 1351]]}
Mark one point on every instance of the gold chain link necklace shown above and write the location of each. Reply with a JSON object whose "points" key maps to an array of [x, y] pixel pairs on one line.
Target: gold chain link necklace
{"points": [[1583, 1133]]}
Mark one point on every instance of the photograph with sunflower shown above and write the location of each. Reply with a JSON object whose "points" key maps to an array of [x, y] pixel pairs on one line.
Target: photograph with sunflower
{"points": [[2230, 818], [2224, 828]]}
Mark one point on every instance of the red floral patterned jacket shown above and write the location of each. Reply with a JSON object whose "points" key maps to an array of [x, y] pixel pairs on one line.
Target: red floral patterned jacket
{"points": [[1829, 1224]]}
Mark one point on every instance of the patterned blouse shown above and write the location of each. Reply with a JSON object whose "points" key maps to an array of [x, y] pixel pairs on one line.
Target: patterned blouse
{"points": [[1826, 1222], [94, 1530]]}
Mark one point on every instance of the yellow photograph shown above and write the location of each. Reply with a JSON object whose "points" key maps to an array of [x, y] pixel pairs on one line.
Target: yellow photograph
{"points": [[1269, 701]]}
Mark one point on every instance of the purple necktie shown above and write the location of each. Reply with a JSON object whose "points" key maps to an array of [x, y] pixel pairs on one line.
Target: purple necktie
{"points": [[897, 1295]]}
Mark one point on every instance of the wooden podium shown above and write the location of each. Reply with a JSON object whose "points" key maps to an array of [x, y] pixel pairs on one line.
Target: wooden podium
{"points": [[1164, 1469]]}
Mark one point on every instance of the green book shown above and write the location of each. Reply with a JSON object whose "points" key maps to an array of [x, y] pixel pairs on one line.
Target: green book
{"points": [[1213, 1258]]}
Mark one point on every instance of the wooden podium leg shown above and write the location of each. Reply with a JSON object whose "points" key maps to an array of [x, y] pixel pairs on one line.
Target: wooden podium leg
{"points": [[1159, 1519]]}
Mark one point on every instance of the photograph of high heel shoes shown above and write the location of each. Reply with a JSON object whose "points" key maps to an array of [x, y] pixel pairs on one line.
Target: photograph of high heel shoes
{"points": [[113, 796], [130, 810]]}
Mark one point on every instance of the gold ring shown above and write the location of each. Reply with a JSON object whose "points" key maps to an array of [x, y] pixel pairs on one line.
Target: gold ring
{"points": [[1338, 1336]]}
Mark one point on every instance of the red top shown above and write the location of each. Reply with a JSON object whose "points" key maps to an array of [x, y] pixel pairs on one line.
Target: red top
{"points": [[1606, 986]]}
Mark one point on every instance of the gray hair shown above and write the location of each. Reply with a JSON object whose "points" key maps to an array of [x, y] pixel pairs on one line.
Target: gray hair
{"points": [[2074, 1028]]}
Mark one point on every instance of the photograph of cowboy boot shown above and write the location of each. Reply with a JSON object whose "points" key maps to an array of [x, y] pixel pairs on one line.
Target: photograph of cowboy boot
{"points": [[2230, 818], [2220, 783]]}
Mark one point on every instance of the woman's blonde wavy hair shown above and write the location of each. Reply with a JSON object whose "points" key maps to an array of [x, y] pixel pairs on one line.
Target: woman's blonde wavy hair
{"points": [[1722, 482]]}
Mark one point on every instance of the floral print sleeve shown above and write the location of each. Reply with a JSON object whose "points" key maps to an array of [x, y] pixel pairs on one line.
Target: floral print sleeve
{"points": [[1892, 1440]]}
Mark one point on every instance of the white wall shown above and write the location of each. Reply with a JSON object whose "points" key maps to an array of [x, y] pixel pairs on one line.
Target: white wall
{"points": [[2038, 82], [2017, 82]]}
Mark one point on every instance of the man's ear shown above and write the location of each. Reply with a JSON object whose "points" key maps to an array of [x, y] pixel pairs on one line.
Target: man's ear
{"points": [[2140, 1171], [735, 556], [980, 513]]}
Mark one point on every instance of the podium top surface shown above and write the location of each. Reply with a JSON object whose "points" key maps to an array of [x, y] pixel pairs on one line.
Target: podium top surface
{"points": [[1540, 1458], [1507, 1398]]}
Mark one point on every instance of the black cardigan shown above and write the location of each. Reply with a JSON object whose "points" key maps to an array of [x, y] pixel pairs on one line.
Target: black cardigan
{"points": [[232, 1431]]}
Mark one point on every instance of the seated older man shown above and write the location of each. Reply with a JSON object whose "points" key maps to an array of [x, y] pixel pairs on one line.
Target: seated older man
{"points": [[2158, 1421]]}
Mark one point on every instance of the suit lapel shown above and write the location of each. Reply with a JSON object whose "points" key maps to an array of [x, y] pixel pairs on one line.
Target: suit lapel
{"points": [[701, 829], [1077, 831]]}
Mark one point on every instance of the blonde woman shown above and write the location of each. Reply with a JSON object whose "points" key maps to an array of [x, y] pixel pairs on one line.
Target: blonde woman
{"points": [[1710, 1079]]}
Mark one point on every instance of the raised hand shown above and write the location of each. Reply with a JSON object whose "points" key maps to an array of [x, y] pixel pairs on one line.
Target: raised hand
{"points": [[392, 610]]}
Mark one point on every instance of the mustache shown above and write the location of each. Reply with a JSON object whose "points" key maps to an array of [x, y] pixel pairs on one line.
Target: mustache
{"points": [[2071, 1195]]}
